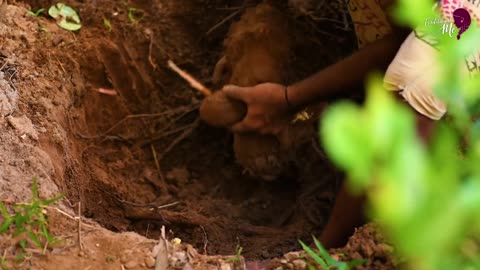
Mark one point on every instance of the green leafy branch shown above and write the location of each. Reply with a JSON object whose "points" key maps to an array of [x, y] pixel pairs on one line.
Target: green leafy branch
{"points": [[425, 196]]}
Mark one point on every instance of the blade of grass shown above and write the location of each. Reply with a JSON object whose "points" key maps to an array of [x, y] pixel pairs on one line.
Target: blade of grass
{"points": [[34, 189], [323, 252], [8, 219], [314, 256], [52, 200]]}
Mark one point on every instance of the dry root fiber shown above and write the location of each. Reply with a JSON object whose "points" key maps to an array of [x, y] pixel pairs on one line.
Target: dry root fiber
{"points": [[257, 50]]}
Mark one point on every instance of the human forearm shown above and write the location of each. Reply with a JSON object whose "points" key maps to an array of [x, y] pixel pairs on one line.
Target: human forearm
{"points": [[345, 75]]}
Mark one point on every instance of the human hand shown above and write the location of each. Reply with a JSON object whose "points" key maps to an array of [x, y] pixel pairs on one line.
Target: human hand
{"points": [[267, 112]]}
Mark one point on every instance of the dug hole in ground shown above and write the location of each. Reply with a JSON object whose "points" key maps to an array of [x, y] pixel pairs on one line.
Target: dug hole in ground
{"points": [[96, 115]]}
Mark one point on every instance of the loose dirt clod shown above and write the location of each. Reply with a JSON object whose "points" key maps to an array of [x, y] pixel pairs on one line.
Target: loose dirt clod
{"points": [[24, 127]]}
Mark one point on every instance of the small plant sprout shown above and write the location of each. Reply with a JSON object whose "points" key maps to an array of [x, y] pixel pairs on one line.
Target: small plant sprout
{"points": [[66, 17], [35, 13], [108, 24], [135, 15], [27, 222], [238, 255], [323, 259]]}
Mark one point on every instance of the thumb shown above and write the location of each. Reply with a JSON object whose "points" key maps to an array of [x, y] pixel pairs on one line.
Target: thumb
{"points": [[236, 92]]}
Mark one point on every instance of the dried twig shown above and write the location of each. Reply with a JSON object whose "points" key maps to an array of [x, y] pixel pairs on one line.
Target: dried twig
{"points": [[157, 163], [151, 205], [159, 169], [44, 251], [166, 134], [179, 139], [4, 65], [229, 8], [318, 150], [70, 216], [61, 66], [133, 116], [150, 49], [167, 205], [190, 79], [110, 92], [162, 256], [205, 240], [226, 19], [80, 244]]}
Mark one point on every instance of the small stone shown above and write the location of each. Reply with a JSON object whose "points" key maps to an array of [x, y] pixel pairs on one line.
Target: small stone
{"points": [[181, 256], [23, 125], [265, 254], [150, 262], [336, 257], [57, 40], [225, 267], [81, 254], [124, 259], [356, 256], [131, 264], [299, 264], [292, 256], [97, 245], [283, 261], [187, 267]]}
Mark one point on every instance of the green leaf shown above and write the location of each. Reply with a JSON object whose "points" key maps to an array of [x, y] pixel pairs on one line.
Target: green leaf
{"points": [[107, 24], [23, 244], [8, 219], [135, 15], [36, 13], [66, 17], [414, 12], [34, 189], [34, 238], [314, 256], [20, 257], [346, 138], [52, 200], [323, 252], [355, 263]]}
